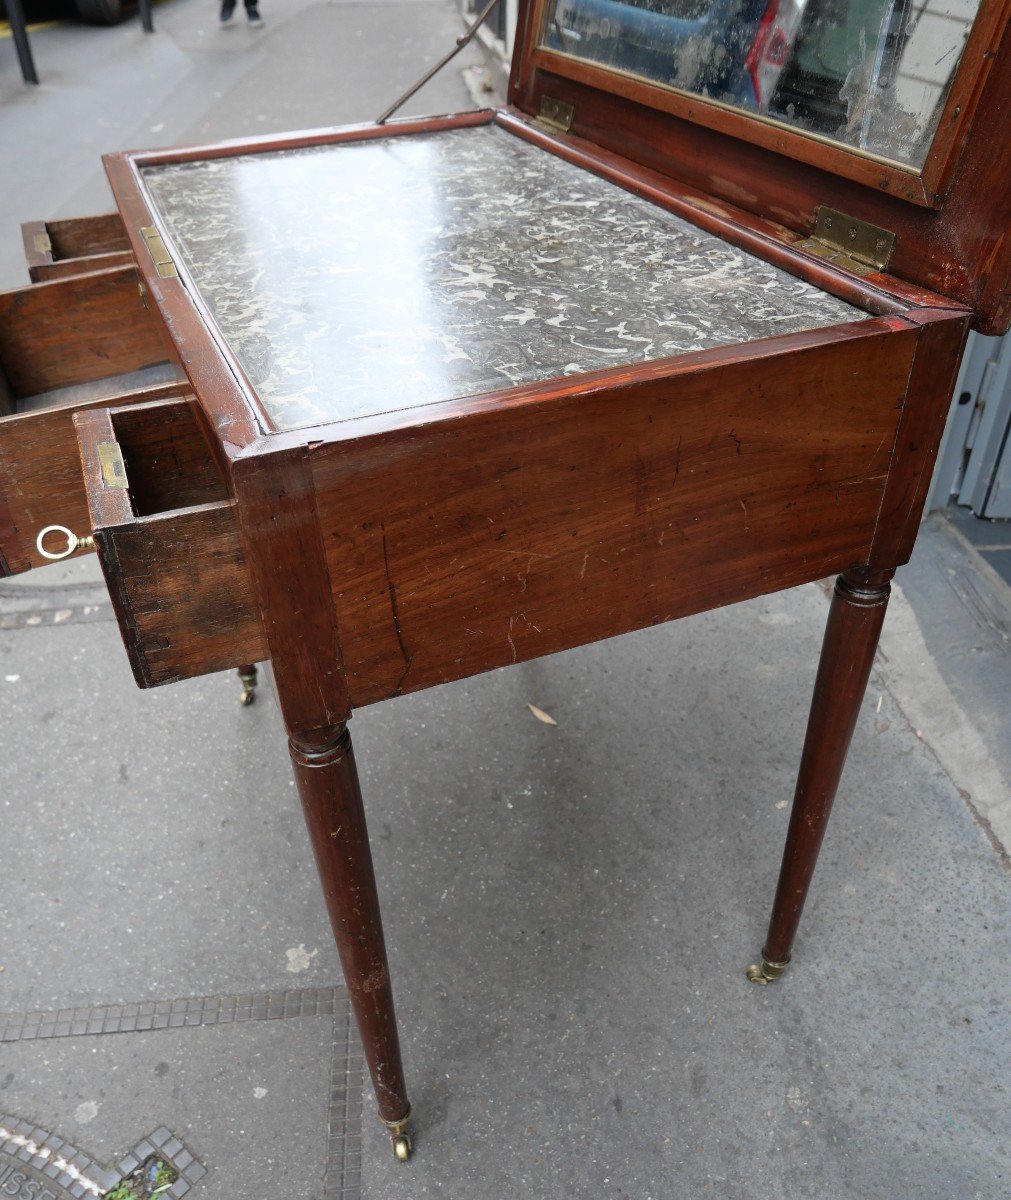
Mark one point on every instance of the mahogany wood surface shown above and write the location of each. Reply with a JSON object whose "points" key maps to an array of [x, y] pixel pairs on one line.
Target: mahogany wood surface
{"points": [[80, 237], [327, 779], [470, 542], [960, 248], [381, 555], [281, 532], [55, 249], [74, 330], [169, 457], [851, 637], [930, 389], [40, 469], [178, 580]]}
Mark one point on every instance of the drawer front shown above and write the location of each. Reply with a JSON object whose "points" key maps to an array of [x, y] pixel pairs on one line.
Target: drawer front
{"points": [[167, 537]]}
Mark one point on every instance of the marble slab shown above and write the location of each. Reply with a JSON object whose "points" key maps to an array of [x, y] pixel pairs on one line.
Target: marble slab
{"points": [[362, 277]]}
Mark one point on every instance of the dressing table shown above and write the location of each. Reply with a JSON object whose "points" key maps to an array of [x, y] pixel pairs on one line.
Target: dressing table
{"points": [[388, 406]]}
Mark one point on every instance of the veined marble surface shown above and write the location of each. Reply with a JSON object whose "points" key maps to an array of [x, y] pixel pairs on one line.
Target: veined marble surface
{"points": [[358, 278]]}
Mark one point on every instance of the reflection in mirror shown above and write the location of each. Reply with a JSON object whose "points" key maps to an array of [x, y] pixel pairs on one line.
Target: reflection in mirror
{"points": [[873, 74]]}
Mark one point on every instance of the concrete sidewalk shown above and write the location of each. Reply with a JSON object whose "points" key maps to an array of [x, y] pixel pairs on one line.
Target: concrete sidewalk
{"points": [[570, 910]]}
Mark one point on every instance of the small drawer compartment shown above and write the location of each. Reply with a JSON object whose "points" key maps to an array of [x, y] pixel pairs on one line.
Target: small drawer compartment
{"points": [[40, 467], [70, 344], [165, 528], [72, 331], [54, 249]]}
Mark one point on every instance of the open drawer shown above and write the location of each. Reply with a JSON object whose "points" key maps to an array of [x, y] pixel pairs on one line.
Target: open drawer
{"points": [[67, 345], [165, 528], [54, 249]]}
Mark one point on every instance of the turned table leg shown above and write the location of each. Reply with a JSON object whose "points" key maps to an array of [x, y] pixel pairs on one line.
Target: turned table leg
{"points": [[332, 801], [851, 637]]}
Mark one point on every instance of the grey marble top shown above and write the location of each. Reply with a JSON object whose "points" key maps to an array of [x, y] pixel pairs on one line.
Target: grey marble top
{"points": [[358, 278]]}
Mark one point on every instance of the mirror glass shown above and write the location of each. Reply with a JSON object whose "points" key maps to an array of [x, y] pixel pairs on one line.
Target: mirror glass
{"points": [[872, 74]]}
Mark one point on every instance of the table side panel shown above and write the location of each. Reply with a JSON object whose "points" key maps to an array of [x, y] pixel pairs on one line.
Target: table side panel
{"points": [[465, 545]]}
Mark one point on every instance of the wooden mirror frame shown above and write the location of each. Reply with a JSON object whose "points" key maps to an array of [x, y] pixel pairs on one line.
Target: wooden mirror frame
{"points": [[923, 186], [951, 219]]}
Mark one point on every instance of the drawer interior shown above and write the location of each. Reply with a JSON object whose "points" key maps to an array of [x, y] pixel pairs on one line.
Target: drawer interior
{"points": [[40, 468], [168, 456], [75, 245], [67, 345]]}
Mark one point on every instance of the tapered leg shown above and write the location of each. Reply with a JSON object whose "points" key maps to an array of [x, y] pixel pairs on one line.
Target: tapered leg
{"points": [[854, 624], [247, 677], [145, 15], [332, 801]]}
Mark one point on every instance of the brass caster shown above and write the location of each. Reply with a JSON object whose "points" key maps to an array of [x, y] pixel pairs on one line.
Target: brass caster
{"points": [[400, 1136], [766, 972], [248, 681]]}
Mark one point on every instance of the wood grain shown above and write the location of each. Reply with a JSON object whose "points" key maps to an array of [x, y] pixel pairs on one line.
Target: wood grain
{"points": [[929, 393], [178, 580], [851, 637], [40, 469], [281, 532], [170, 456], [79, 237], [327, 779], [74, 330], [465, 544], [961, 248], [75, 246]]}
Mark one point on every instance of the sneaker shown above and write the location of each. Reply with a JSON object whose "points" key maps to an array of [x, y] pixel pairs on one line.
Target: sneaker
{"points": [[254, 16], [227, 9]]}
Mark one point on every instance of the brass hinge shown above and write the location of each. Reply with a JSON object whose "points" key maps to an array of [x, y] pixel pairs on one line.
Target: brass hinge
{"points": [[854, 244], [555, 115], [42, 243], [162, 259], [110, 459]]}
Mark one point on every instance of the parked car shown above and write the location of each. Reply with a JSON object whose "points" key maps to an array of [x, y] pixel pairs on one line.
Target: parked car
{"points": [[95, 12]]}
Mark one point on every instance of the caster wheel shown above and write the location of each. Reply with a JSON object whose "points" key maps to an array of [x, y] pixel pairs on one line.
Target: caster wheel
{"points": [[766, 972], [402, 1147], [247, 698]]}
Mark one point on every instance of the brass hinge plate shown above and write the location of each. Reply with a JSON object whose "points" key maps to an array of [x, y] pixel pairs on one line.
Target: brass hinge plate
{"points": [[161, 257], [42, 243], [854, 244], [555, 115], [110, 459]]}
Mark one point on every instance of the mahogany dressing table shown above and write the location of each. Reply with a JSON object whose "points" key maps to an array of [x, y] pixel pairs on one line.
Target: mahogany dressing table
{"points": [[388, 406]]}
